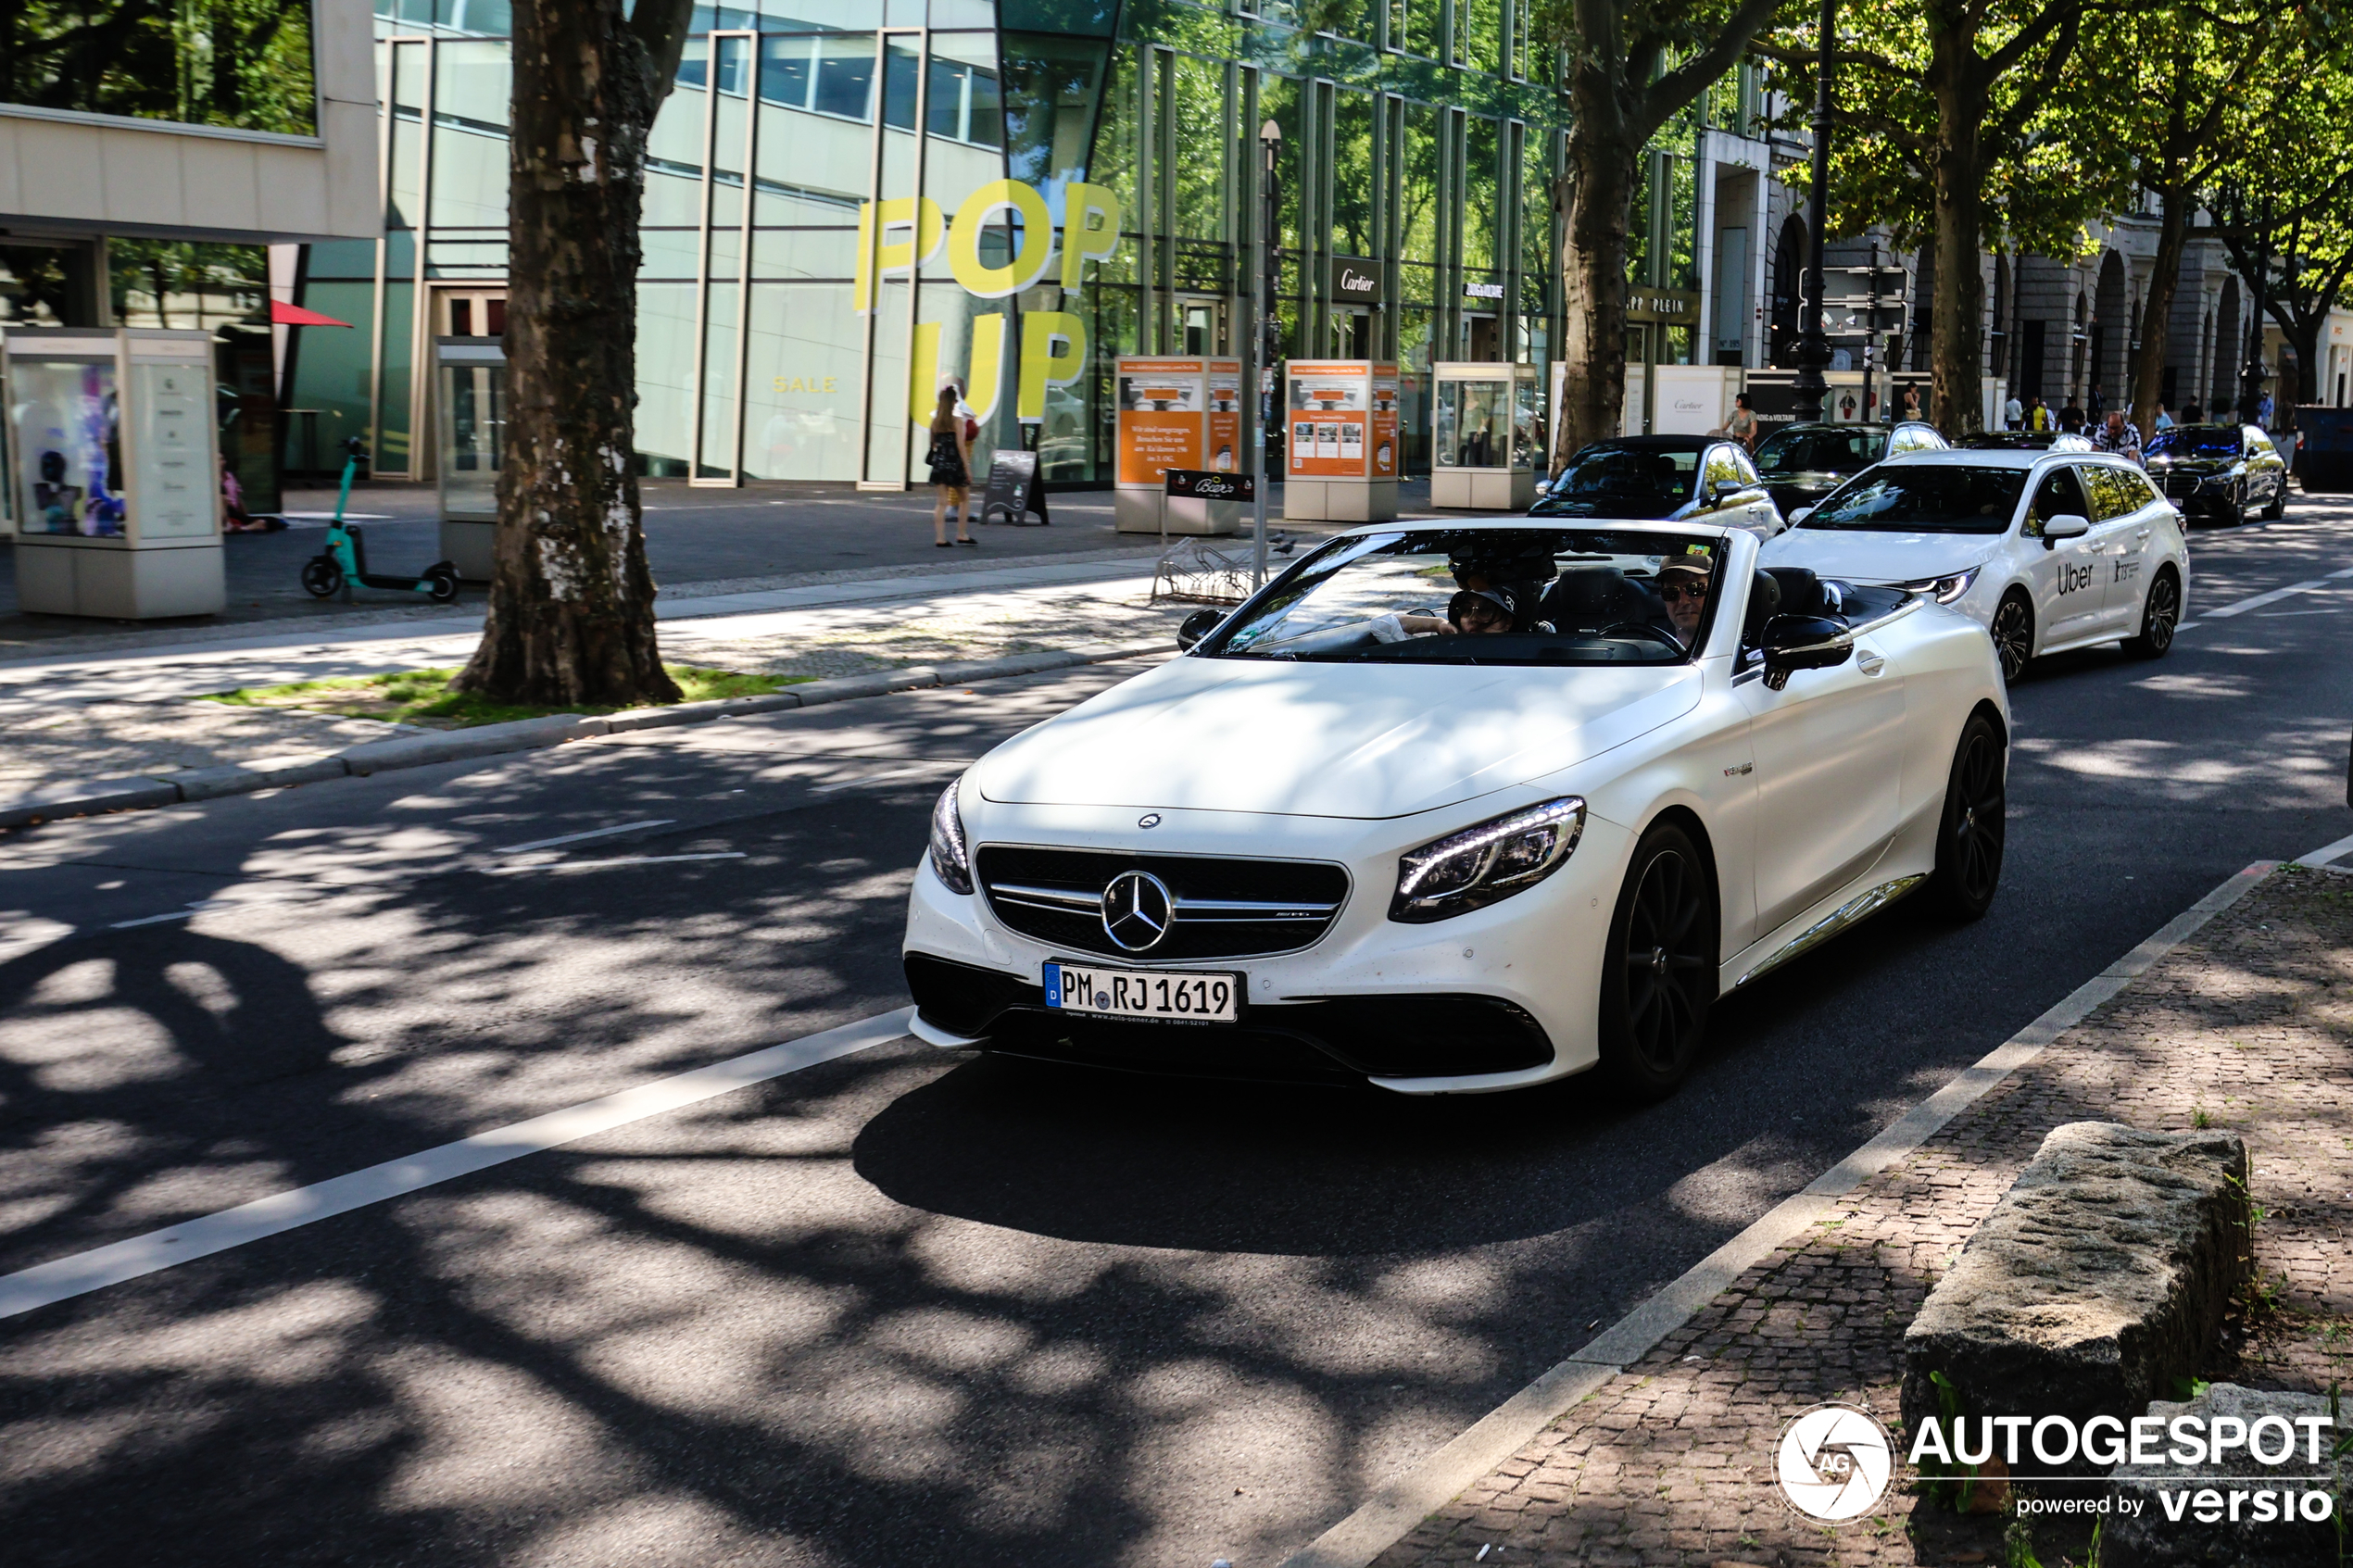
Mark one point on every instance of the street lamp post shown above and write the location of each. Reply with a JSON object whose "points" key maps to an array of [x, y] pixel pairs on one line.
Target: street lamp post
{"points": [[1269, 288], [1813, 348]]}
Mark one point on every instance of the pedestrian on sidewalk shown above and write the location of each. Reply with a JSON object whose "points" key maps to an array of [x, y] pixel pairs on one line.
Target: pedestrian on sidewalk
{"points": [[951, 459], [2013, 413], [1741, 426]]}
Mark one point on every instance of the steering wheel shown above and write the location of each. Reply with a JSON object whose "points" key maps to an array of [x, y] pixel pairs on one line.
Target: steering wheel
{"points": [[1642, 629]]}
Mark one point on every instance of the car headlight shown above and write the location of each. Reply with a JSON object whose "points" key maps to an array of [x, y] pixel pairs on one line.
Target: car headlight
{"points": [[1943, 590], [951, 861], [1485, 864]]}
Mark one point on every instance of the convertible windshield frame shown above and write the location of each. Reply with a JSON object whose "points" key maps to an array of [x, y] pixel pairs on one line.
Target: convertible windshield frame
{"points": [[1324, 609], [1925, 499]]}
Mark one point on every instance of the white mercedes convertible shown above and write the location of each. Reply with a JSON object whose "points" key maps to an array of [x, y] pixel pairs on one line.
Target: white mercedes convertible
{"points": [[1455, 808]]}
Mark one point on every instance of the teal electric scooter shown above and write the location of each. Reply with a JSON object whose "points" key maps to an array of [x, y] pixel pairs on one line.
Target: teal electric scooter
{"points": [[344, 563]]}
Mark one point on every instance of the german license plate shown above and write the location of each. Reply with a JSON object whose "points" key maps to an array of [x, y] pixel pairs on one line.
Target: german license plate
{"points": [[1143, 993]]}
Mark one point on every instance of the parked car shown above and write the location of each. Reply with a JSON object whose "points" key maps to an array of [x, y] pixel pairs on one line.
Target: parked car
{"points": [[1679, 478], [2219, 471], [2047, 550], [2023, 441], [1334, 842], [1802, 463]]}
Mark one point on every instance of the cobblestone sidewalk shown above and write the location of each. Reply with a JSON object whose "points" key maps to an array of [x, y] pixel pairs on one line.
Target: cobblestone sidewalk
{"points": [[2250, 1026]]}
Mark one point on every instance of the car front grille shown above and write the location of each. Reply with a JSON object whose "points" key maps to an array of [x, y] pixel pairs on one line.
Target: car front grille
{"points": [[1222, 909]]}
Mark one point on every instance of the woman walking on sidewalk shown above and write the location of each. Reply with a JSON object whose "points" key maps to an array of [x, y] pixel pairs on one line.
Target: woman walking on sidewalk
{"points": [[951, 459]]}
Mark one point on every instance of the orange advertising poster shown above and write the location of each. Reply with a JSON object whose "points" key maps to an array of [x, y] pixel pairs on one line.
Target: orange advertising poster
{"points": [[1164, 405], [1383, 434], [1330, 412], [1225, 444]]}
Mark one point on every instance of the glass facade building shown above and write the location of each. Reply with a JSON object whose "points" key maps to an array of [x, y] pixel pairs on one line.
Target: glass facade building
{"points": [[851, 200]]}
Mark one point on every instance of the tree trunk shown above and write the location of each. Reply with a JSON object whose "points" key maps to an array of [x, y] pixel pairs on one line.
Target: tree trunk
{"points": [[572, 600], [1957, 348], [1601, 184], [2157, 310]]}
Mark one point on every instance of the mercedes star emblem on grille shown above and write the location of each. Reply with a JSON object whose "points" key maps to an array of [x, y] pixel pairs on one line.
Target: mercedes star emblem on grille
{"points": [[1137, 910]]}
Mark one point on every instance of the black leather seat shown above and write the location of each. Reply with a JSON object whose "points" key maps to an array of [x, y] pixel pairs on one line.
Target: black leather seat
{"points": [[1587, 598]]}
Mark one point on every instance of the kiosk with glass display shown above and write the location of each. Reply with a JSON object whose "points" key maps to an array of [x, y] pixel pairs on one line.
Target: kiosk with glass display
{"points": [[1177, 414], [115, 449], [471, 390], [1339, 446], [1485, 444]]}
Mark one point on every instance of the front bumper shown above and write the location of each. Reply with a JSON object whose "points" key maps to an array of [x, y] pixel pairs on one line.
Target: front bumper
{"points": [[1495, 998]]}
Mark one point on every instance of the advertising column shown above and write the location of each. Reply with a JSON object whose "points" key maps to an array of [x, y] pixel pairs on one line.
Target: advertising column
{"points": [[1174, 414], [119, 473], [1333, 441]]}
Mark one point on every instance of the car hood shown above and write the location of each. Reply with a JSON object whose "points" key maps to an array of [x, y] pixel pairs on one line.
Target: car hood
{"points": [[1632, 509], [1866, 557], [2194, 465], [1329, 740]]}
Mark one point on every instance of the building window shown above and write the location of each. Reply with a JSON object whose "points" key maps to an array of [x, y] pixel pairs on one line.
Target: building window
{"points": [[238, 63]]}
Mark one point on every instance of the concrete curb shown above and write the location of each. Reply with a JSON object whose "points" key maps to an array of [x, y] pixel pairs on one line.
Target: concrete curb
{"points": [[88, 798], [1404, 1500]]}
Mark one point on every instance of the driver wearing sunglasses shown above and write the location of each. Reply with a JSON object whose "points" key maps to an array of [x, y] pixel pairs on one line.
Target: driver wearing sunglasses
{"points": [[1682, 584]]}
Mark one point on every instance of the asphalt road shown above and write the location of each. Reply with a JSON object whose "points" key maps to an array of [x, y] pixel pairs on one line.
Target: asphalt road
{"points": [[906, 1307]]}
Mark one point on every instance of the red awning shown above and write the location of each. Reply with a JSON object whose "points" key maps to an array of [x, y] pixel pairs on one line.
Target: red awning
{"points": [[284, 315]]}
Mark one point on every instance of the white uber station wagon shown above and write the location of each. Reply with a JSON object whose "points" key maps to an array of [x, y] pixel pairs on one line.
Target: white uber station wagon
{"points": [[2047, 550], [1452, 809]]}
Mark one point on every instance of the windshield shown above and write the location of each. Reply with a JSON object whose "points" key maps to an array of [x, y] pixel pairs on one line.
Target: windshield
{"points": [[2224, 443], [1814, 451], [1602, 471], [1462, 596], [1928, 498]]}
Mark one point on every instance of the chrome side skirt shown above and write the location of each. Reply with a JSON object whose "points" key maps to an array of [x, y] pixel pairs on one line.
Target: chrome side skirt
{"points": [[1861, 908]]}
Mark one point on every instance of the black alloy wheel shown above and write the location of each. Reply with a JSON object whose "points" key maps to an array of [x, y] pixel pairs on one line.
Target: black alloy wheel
{"points": [[2161, 614], [1658, 974], [2013, 631], [1969, 835], [2278, 509], [2232, 513]]}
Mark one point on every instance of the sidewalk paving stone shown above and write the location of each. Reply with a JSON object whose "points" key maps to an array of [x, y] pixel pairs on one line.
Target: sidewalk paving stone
{"points": [[1670, 1462]]}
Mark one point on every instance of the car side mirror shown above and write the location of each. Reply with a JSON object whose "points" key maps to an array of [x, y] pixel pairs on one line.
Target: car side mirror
{"points": [[1199, 624], [2066, 525], [1800, 516], [1803, 642]]}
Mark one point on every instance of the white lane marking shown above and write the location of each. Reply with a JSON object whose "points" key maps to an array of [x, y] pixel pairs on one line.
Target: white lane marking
{"points": [[623, 860], [2336, 576], [2259, 600], [2291, 614], [65, 1278], [592, 833], [873, 778], [189, 913], [2327, 854], [1407, 1499]]}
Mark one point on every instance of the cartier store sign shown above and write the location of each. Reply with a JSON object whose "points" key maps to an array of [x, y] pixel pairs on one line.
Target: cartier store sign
{"points": [[1354, 281]]}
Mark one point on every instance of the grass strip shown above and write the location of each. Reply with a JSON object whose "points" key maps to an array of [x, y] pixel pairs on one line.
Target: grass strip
{"points": [[422, 698]]}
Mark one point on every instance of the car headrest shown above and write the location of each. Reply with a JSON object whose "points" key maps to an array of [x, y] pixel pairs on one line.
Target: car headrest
{"points": [[1802, 592], [1590, 597], [1764, 603]]}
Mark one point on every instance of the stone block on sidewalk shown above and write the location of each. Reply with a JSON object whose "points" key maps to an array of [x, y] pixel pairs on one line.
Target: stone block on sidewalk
{"points": [[2098, 1279], [2175, 1523]]}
